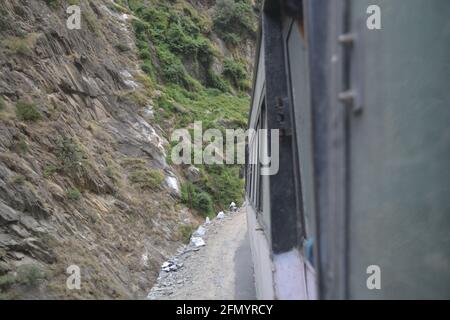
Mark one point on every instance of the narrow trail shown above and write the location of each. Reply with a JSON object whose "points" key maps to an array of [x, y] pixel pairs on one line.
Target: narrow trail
{"points": [[222, 269]]}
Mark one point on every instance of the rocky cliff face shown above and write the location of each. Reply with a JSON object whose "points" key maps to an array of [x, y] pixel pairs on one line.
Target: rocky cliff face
{"points": [[83, 173]]}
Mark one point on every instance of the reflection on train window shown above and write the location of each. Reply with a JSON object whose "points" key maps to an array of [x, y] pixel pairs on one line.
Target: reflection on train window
{"points": [[297, 56], [255, 181]]}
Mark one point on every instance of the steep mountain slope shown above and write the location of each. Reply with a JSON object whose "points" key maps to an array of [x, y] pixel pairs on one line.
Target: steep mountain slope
{"points": [[85, 122]]}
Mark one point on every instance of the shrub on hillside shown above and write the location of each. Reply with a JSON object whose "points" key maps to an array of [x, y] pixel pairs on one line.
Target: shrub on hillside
{"points": [[73, 194], [27, 111], [235, 71], [234, 19], [197, 199]]}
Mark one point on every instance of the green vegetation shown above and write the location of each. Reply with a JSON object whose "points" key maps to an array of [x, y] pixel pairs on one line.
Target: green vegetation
{"points": [[122, 47], [235, 20], [186, 233], [18, 179], [27, 111], [27, 274], [6, 281], [73, 194], [196, 199], [69, 154], [118, 8], [49, 170], [20, 146], [176, 33], [22, 45], [30, 275], [52, 3], [141, 175], [235, 71], [173, 42], [91, 20], [147, 178]]}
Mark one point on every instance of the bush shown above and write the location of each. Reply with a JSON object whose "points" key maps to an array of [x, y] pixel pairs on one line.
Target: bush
{"points": [[69, 154], [73, 194], [145, 54], [197, 199], [224, 184], [49, 170], [147, 178], [27, 111], [121, 47], [215, 81], [235, 71], [22, 45], [6, 281], [234, 18], [20, 146], [52, 3], [30, 275], [18, 179], [186, 233], [203, 203]]}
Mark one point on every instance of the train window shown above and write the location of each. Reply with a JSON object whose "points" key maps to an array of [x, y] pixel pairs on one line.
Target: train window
{"points": [[297, 62], [254, 179], [263, 150]]}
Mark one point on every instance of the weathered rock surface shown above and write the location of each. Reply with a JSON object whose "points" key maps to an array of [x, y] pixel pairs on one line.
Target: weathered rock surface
{"points": [[116, 232]]}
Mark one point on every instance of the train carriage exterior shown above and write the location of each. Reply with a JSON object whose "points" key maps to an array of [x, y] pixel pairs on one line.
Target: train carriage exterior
{"points": [[364, 151]]}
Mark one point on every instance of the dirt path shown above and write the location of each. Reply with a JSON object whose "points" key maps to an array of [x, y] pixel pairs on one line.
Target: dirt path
{"points": [[221, 269]]}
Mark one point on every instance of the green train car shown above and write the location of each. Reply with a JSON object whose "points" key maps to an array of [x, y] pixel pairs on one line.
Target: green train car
{"points": [[357, 95]]}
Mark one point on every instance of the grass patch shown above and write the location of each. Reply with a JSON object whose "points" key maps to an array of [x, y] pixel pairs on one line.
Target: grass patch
{"points": [[27, 111], [18, 179], [21, 146], [7, 281], [136, 97], [73, 194], [21, 45], [186, 232], [50, 170], [235, 20], [197, 199], [236, 72], [69, 154], [147, 178], [30, 275], [52, 3], [122, 47]]}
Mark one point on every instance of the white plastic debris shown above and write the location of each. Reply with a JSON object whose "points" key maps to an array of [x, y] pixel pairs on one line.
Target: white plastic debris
{"points": [[221, 215], [165, 264], [207, 221], [197, 241], [200, 232], [232, 207]]}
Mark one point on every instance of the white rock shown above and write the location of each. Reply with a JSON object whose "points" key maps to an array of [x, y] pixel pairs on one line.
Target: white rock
{"points": [[173, 185], [126, 74], [200, 232], [131, 84], [221, 215], [197, 241], [166, 264], [173, 268]]}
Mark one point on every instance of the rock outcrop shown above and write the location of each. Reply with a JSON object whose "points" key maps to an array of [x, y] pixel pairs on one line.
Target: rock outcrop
{"points": [[67, 195]]}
